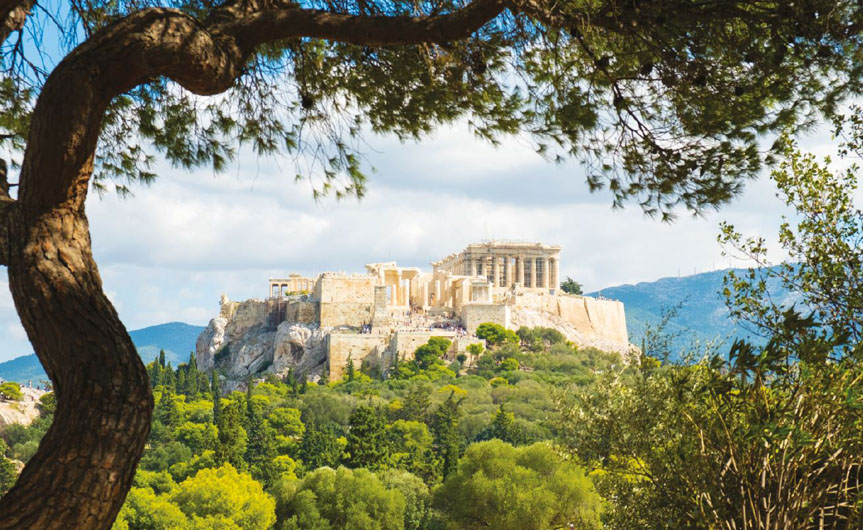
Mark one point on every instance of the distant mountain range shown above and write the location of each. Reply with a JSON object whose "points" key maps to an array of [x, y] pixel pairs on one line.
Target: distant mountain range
{"points": [[701, 312], [176, 338]]}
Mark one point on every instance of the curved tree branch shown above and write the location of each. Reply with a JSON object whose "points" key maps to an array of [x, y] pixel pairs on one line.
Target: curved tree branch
{"points": [[13, 14], [84, 466]]}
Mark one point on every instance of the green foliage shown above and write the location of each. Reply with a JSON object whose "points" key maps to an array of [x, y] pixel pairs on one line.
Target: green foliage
{"points": [[499, 486], [287, 422], [321, 447], [505, 428], [495, 334], [417, 497], [475, 349], [771, 432], [47, 404], [197, 437], [225, 497], [414, 430], [232, 436], [11, 391], [144, 509], [158, 481], [539, 339], [824, 270], [444, 427], [368, 443], [508, 365], [167, 410], [342, 499], [570, 286], [213, 498], [8, 474], [412, 448]]}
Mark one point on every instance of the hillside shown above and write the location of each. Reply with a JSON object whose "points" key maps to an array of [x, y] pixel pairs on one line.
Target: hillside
{"points": [[701, 316], [176, 338]]}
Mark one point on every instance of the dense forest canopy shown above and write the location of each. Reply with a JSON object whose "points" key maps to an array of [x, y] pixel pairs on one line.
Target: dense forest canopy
{"points": [[665, 102]]}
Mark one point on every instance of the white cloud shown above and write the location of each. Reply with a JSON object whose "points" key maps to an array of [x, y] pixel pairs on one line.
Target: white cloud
{"points": [[169, 252]]}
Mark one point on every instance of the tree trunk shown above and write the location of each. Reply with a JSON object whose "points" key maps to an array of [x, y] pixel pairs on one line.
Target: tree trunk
{"points": [[85, 464]]}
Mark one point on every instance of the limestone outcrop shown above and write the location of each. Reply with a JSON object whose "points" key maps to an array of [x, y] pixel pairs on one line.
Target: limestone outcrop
{"points": [[531, 317], [24, 411], [240, 342], [299, 347]]}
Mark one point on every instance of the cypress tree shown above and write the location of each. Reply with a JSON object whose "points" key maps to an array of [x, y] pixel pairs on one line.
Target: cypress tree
{"points": [[250, 386], [169, 378], [261, 446], [368, 444], [192, 379], [162, 358], [182, 388], [167, 411], [447, 441], [232, 437], [217, 397], [351, 373]]}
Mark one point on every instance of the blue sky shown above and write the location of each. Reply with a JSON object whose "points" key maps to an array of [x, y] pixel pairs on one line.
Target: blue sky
{"points": [[168, 253]]}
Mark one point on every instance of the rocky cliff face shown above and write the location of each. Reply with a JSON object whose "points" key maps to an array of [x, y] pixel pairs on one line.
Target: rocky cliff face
{"points": [[24, 411], [528, 317], [240, 342]]}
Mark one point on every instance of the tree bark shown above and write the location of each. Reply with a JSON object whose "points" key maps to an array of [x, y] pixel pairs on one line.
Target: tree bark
{"points": [[84, 466], [87, 459]]}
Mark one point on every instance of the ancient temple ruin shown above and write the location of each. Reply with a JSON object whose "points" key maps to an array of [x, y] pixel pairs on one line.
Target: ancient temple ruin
{"points": [[389, 310]]}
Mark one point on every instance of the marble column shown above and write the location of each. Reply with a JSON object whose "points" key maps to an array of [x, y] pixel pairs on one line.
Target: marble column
{"points": [[555, 277], [521, 270], [507, 271], [545, 273], [496, 270], [532, 260], [472, 266]]}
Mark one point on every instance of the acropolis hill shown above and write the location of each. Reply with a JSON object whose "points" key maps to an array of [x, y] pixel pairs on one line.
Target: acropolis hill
{"points": [[315, 325]]}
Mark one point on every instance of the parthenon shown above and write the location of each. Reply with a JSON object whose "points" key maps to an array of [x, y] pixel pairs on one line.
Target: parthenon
{"points": [[507, 264]]}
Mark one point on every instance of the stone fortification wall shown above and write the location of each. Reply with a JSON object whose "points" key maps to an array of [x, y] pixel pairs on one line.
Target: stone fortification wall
{"points": [[244, 315], [345, 300], [382, 348], [357, 347], [472, 315], [405, 343], [304, 312], [599, 320]]}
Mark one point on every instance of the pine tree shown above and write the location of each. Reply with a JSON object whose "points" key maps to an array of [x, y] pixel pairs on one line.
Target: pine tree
{"points": [[162, 358]]}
